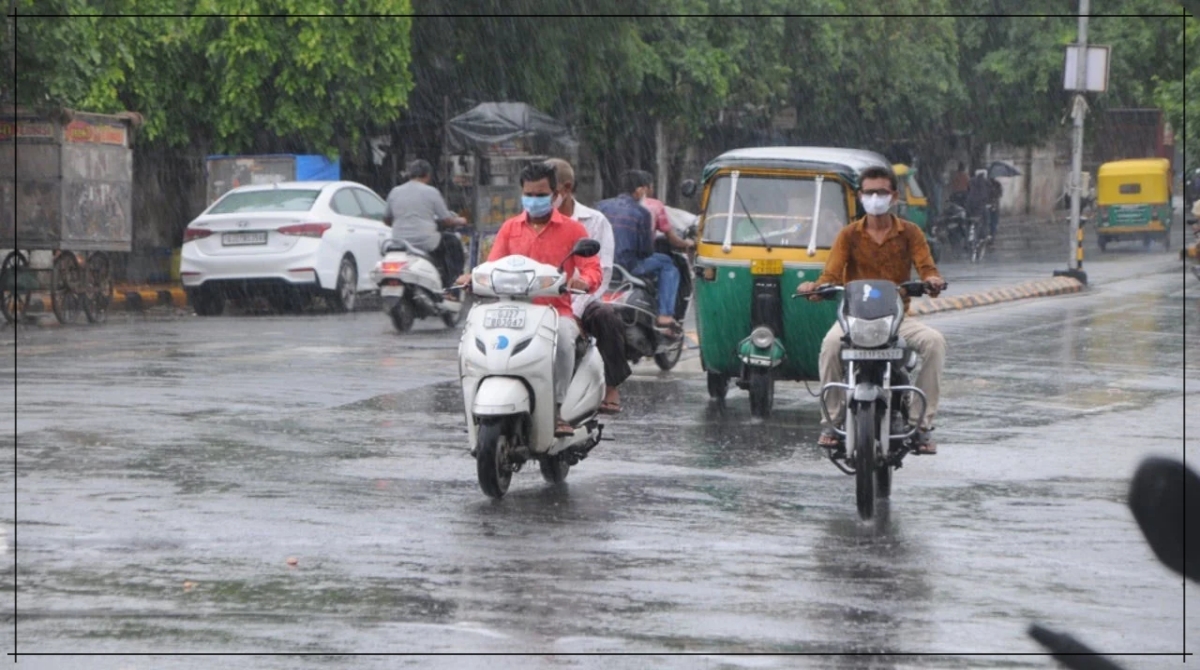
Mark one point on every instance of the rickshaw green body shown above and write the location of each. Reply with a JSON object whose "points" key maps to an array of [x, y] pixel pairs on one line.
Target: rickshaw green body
{"points": [[730, 258]]}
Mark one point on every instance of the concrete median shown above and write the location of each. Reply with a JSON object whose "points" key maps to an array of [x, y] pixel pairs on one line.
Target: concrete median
{"points": [[1032, 289], [124, 298]]}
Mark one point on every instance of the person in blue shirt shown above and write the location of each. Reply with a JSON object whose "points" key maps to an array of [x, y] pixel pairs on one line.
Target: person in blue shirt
{"points": [[633, 237]]}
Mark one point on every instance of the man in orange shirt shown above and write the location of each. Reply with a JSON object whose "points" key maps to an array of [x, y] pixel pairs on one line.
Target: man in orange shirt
{"points": [[542, 233], [882, 246]]}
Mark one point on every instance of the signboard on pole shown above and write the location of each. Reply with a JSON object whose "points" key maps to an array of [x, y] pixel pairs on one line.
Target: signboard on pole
{"points": [[1097, 68]]}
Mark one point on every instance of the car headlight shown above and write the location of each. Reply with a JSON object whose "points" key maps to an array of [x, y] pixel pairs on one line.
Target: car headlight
{"points": [[511, 283], [762, 337], [870, 333]]}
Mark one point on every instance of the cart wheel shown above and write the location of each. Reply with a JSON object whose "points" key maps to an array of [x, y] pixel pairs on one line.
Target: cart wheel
{"points": [[14, 301], [65, 282], [98, 287]]}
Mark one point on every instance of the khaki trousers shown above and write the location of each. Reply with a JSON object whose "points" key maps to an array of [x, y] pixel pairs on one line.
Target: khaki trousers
{"points": [[928, 342]]}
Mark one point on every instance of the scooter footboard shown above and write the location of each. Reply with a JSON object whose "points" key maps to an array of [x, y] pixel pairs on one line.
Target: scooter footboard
{"points": [[501, 396]]}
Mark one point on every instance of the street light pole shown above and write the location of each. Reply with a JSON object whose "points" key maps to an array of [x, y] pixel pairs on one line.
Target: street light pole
{"points": [[1080, 107]]}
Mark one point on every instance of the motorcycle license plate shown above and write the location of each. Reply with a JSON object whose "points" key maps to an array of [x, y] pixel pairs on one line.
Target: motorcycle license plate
{"points": [[504, 318], [392, 291], [872, 354], [766, 266]]}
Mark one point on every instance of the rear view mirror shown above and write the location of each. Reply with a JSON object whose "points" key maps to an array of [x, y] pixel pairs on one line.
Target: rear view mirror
{"points": [[688, 188], [586, 248]]}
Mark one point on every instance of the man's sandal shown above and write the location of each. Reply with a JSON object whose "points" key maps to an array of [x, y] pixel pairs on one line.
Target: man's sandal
{"points": [[607, 407], [923, 443]]}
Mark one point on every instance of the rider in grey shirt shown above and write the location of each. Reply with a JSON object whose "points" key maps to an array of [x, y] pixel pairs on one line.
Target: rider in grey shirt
{"points": [[416, 212]]}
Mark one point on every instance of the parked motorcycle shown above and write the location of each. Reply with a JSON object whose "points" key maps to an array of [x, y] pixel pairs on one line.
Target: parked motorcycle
{"points": [[880, 421], [636, 300], [410, 287], [506, 361]]}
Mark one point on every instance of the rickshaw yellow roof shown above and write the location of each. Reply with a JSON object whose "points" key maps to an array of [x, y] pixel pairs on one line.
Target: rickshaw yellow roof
{"points": [[1136, 166]]}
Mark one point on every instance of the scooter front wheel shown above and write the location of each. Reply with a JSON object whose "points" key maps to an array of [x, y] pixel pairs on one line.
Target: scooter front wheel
{"points": [[492, 444]]}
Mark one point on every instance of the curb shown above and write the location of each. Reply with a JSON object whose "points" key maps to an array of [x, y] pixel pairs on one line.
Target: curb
{"points": [[1033, 289], [124, 298]]}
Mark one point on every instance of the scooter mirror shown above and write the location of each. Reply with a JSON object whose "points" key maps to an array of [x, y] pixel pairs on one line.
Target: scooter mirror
{"points": [[688, 188], [586, 248], [1164, 492]]}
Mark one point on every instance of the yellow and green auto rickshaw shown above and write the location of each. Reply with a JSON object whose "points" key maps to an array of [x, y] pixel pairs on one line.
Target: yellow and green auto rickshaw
{"points": [[768, 218], [1133, 201]]}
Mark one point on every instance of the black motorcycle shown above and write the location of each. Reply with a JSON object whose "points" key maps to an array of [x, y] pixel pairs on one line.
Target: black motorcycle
{"points": [[636, 300], [880, 422]]}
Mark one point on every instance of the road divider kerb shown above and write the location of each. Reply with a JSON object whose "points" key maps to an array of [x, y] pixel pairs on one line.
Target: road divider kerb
{"points": [[1040, 288]]}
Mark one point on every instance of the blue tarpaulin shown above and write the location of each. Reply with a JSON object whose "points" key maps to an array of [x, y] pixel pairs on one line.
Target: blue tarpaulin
{"points": [[228, 172], [318, 168]]}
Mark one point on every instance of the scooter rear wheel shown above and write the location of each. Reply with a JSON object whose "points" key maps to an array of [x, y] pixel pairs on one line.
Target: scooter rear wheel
{"points": [[402, 316], [491, 457], [554, 468]]}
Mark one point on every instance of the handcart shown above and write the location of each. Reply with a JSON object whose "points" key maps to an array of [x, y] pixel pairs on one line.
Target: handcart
{"points": [[65, 187]]}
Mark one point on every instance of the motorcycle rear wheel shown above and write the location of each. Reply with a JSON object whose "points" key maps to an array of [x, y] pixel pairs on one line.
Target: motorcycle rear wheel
{"points": [[667, 359], [492, 444], [863, 417]]}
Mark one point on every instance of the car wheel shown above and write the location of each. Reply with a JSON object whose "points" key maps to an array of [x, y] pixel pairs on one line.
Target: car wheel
{"points": [[345, 292]]}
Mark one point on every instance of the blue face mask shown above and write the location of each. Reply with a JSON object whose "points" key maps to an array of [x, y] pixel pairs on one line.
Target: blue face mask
{"points": [[537, 205]]}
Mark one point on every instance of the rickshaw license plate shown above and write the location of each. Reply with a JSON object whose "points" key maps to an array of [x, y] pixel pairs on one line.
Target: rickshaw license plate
{"points": [[766, 266], [872, 354], [238, 239], [504, 318]]}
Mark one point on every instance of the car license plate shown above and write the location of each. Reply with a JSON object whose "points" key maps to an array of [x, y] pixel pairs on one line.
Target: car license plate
{"points": [[872, 354], [239, 239], [504, 318], [766, 267], [392, 291]]}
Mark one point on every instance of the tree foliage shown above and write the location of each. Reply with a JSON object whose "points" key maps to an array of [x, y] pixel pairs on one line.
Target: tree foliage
{"points": [[205, 72]]}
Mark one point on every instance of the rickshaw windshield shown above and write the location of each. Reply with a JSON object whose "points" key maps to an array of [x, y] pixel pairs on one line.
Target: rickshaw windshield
{"points": [[781, 208]]}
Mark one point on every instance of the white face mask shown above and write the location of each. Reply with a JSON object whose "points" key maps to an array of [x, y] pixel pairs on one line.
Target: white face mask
{"points": [[877, 205], [558, 201]]}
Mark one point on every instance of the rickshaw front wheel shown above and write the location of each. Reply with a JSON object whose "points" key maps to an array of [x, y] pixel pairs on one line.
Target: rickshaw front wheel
{"points": [[718, 386], [762, 391]]}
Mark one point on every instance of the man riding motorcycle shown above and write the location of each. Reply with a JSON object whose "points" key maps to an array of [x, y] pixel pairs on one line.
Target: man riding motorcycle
{"points": [[881, 245]]}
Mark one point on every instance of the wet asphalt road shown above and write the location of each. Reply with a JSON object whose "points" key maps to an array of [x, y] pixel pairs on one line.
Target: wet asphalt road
{"points": [[170, 466]]}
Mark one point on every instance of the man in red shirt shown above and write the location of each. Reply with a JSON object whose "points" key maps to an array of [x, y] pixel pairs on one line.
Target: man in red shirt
{"points": [[662, 223], [544, 234]]}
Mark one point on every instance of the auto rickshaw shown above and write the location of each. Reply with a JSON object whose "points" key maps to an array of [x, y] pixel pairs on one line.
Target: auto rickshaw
{"points": [[769, 216], [1133, 199]]}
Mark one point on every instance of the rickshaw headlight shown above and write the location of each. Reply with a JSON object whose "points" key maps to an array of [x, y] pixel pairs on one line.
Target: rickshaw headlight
{"points": [[870, 333], [762, 337]]}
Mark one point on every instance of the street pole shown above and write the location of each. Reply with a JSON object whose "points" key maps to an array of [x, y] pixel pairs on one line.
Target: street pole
{"points": [[1079, 108]]}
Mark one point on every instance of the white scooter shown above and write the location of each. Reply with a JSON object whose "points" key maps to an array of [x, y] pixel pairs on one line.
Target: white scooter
{"points": [[410, 287], [506, 362]]}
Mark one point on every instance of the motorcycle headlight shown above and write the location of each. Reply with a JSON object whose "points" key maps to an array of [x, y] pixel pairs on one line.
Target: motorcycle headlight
{"points": [[762, 337], [872, 333], [511, 283]]}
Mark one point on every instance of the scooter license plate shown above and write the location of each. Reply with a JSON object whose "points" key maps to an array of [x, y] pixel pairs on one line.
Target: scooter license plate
{"points": [[872, 354], [504, 318], [392, 291]]}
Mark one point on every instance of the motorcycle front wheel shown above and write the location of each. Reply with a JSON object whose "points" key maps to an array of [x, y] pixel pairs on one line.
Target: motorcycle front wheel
{"points": [[492, 443], [863, 416]]}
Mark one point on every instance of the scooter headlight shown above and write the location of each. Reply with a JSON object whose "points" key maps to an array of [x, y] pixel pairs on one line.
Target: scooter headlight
{"points": [[505, 282], [870, 333], [762, 337]]}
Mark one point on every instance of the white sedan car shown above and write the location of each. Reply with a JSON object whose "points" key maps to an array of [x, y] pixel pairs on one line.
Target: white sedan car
{"points": [[286, 242]]}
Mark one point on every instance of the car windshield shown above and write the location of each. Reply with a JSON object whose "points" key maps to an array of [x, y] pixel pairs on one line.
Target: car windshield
{"points": [[782, 208], [269, 200]]}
